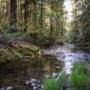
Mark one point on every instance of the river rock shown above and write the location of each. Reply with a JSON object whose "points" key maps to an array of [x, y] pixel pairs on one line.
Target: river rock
{"points": [[46, 76], [45, 70], [27, 82], [34, 88], [38, 81], [9, 88], [57, 67], [33, 84], [54, 75], [42, 87], [33, 80]]}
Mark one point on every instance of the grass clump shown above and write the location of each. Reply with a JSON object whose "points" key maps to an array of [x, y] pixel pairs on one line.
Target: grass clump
{"points": [[50, 84], [79, 77]]}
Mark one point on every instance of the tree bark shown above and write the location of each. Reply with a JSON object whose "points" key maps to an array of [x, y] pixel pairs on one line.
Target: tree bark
{"points": [[13, 12], [26, 15]]}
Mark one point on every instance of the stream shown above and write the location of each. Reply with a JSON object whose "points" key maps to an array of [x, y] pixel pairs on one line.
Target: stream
{"points": [[69, 54], [28, 74]]}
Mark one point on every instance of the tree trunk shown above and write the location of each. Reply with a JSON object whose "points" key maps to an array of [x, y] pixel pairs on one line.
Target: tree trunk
{"points": [[51, 20], [41, 15], [13, 12], [26, 15]]}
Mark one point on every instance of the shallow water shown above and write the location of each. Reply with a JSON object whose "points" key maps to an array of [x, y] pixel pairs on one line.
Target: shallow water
{"points": [[69, 54], [17, 74]]}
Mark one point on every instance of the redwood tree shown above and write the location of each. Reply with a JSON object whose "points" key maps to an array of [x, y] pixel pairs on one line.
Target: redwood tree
{"points": [[13, 11]]}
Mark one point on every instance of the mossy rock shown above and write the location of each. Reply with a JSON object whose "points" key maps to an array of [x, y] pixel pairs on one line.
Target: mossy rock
{"points": [[6, 55], [33, 48], [9, 54], [24, 52]]}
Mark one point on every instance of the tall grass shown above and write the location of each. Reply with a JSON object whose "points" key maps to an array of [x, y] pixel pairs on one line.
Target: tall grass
{"points": [[50, 84], [79, 77]]}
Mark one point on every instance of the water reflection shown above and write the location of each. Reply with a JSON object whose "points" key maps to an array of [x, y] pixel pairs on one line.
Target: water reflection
{"points": [[17, 72]]}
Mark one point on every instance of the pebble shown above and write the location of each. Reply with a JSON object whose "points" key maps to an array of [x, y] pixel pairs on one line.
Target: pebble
{"points": [[34, 88], [38, 85], [9, 88], [38, 81], [45, 70], [54, 75], [33, 80], [33, 84], [27, 82], [57, 67], [46, 76], [42, 87]]}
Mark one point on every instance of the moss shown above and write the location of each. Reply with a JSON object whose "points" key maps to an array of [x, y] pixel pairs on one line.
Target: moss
{"points": [[9, 54], [33, 48]]}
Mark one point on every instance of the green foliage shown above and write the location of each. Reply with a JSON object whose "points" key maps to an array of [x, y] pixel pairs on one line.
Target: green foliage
{"points": [[40, 39], [79, 81], [50, 84], [80, 68], [4, 25], [81, 25], [79, 77], [16, 54], [63, 82]]}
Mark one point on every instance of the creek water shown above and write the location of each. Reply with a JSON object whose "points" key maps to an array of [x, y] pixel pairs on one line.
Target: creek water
{"points": [[28, 74], [69, 54]]}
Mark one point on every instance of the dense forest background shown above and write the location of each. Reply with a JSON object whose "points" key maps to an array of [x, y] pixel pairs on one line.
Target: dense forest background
{"points": [[46, 19]]}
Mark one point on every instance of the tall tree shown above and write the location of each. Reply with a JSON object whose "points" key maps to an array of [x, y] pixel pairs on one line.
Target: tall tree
{"points": [[26, 14], [51, 18], [13, 11]]}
